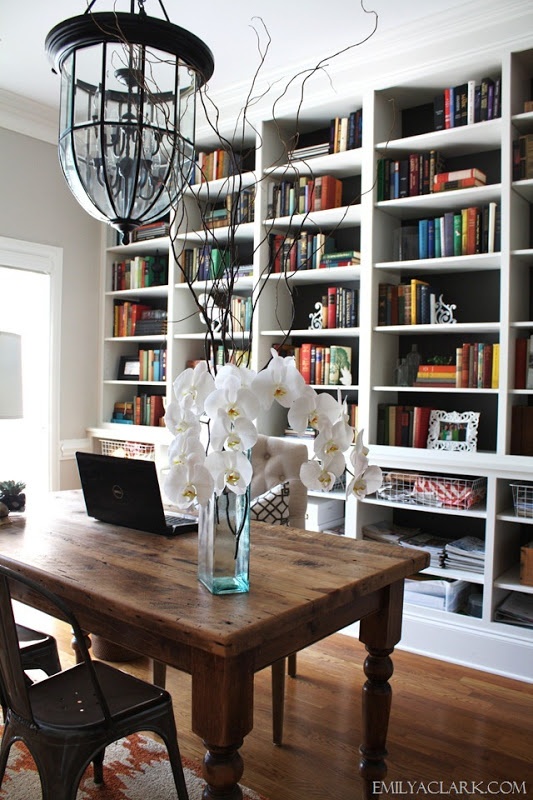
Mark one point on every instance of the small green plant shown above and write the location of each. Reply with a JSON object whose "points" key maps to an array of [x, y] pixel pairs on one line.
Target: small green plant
{"points": [[11, 487], [12, 496]]}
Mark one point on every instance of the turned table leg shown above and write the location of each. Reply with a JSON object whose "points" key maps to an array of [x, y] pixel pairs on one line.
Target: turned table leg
{"points": [[377, 695], [379, 632], [222, 771], [222, 715]]}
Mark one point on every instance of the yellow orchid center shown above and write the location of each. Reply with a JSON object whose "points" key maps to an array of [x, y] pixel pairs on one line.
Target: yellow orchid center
{"points": [[279, 391], [233, 412], [232, 477]]}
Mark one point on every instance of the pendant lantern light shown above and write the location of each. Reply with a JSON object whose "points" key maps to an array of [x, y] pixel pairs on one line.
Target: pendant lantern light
{"points": [[127, 111]]}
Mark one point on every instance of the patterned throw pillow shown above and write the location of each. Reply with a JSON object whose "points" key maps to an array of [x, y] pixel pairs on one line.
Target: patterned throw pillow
{"points": [[272, 506]]}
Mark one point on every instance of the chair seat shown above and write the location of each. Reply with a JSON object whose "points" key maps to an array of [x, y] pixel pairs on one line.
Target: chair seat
{"points": [[67, 700]]}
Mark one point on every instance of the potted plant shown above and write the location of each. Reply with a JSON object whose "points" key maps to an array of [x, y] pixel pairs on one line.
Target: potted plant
{"points": [[12, 496]]}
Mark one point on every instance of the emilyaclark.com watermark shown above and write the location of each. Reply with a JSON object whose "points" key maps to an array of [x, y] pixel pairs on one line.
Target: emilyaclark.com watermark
{"points": [[454, 788]]}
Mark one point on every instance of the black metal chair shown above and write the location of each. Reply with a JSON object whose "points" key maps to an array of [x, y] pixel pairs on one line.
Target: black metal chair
{"points": [[37, 651], [67, 720]]}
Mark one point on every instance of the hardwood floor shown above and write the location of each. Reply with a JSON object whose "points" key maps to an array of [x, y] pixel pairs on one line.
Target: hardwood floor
{"points": [[448, 724]]}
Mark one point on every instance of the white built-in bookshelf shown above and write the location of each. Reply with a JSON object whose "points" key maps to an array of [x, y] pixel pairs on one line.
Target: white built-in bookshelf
{"points": [[492, 293]]}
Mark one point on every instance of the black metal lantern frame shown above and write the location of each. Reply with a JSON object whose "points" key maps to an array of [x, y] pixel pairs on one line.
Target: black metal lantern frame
{"points": [[127, 111]]}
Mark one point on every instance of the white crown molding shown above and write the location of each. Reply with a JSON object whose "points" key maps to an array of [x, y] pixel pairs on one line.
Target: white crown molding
{"points": [[22, 115], [477, 28]]}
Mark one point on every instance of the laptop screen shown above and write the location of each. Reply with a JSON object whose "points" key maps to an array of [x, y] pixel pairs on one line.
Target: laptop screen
{"points": [[124, 491]]}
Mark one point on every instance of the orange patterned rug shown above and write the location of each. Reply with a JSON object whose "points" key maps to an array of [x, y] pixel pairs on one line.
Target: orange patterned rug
{"points": [[136, 768]]}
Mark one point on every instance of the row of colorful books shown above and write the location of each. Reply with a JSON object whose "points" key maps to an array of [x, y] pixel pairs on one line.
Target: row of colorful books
{"points": [[132, 318], [340, 307], [139, 272], [467, 231], [467, 103], [477, 366], [303, 195], [408, 177], [346, 133], [403, 425], [324, 366], [143, 409], [237, 209], [217, 164], [410, 303], [152, 364], [289, 253]]}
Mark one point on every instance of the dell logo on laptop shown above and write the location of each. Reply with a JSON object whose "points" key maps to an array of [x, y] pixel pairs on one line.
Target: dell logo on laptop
{"points": [[118, 492]]}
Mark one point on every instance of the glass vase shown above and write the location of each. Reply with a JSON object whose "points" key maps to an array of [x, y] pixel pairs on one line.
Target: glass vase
{"points": [[224, 543]]}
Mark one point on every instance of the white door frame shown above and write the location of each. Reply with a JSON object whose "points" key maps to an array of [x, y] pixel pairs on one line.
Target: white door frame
{"points": [[46, 259]]}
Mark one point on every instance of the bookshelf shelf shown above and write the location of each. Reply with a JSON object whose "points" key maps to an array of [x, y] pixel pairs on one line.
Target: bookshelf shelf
{"points": [[343, 217], [459, 327], [433, 204], [492, 291], [454, 141], [442, 266]]}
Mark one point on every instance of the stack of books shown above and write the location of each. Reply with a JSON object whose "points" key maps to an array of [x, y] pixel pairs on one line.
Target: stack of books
{"points": [[466, 554], [436, 375], [458, 179]]}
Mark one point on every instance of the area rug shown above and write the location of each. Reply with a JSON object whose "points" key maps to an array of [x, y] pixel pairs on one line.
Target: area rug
{"points": [[136, 768]]}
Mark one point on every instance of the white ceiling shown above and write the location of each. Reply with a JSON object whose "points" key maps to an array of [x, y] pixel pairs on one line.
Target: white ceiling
{"points": [[301, 33]]}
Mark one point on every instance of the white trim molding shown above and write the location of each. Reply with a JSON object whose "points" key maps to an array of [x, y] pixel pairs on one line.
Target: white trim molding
{"points": [[48, 260]]}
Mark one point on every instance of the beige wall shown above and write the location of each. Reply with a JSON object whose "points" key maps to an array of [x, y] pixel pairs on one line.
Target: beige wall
{"points": [[36, 206]]}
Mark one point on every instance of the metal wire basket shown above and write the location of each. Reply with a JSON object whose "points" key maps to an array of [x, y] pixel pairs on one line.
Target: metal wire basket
{"points": [[523, 499], [122, 449], [438, 491]]}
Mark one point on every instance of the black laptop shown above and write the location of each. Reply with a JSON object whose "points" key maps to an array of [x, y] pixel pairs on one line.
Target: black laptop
{"points": [[125, 491]]}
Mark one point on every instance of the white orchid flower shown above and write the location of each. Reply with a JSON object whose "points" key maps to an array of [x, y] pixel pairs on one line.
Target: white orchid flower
{"points": [[183, 446], [316, 477], [238, 435], [279, 381], [243, 374], [232, 399], [188, 484], [359, 446], [314, 410], [229, 469], [366, 482], [192, 387], [333, 439], [180, 420]]}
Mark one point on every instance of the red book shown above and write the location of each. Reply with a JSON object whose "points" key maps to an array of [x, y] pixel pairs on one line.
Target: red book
{"points": [[305, 361], [471, 223], [331, 192], [332, 307], [421, 416]]}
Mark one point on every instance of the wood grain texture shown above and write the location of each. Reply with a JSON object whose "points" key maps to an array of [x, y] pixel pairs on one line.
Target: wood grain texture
{"points": [[447, 723], [142, 592]]}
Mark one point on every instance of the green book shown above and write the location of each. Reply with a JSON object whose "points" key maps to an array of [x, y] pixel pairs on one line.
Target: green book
{"points": [[340, 365]]}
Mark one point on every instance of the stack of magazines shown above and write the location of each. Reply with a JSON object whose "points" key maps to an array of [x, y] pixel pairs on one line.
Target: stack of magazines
{"points": [[431, 543], [466, 554], [516, 609]]}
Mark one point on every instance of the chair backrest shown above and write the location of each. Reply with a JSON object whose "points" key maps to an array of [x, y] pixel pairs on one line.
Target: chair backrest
{"points": [[275, 461], [12, 677]]}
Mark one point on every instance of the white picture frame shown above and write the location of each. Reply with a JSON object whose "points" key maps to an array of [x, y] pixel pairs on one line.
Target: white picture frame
{"points": [[453, 430]]}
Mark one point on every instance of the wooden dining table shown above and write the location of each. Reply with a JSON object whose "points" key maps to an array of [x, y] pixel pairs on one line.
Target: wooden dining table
{"points": [[141, 591]]}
